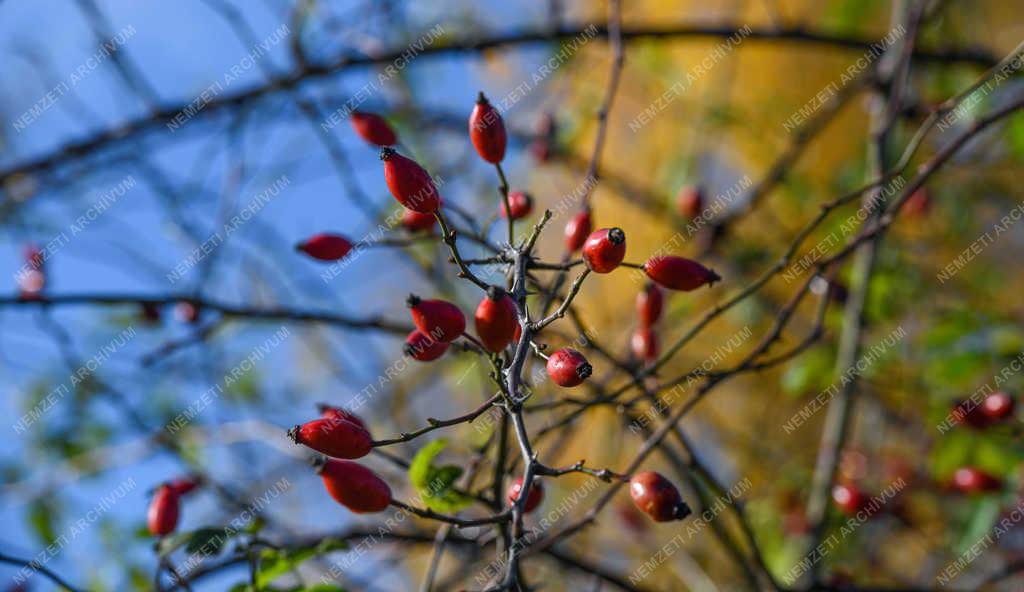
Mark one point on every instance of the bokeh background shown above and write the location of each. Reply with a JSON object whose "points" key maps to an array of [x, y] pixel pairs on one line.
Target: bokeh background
{"points": [[157, 192]]}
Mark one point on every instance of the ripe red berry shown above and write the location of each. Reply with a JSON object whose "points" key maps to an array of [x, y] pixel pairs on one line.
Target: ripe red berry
{"points": [[644, 344], [33, 256], [533, 500], [975, 480], [848, 498], [567, 367], [577, 229], [487, 131], [186, 312], [424, 348], [521, 204], [690, 201], [185, 485], [409, 183], [334, 437], [496, 320], [31, 283], [604, 249], [917, 205], [656, 496], [373, 128], [679, 273], [649, 304], [997, 406], [438, 319], [325, 247], [417, 221], [162, 517], [354, 486], [337, 413]]}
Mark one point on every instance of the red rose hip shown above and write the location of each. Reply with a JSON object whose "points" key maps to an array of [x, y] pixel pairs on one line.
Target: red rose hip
{"points": [[496, 320], [577, 229], [423, 348], [438, 319], [373, 128], [649, 304], [657, 497], [848, 498], [535, 497], [998, 406], [334, 437], [679, 273], [325, 247], [690, 201], [917, 205], [644, 344], [354, 486], [409, 183], [974, 480], [604, 249], [567, 367], [162, 517], [487, 131], [521, 204]]}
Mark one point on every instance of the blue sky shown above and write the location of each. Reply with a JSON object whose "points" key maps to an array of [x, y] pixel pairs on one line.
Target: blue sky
{"points": [[182, 47]]}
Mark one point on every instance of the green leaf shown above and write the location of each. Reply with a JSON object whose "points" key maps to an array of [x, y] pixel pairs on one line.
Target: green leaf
{"points": [[422, 463], [1015, 130], [434, 483], [442, 478], [274, 564], [42, 515], [447, 501], [983, 517], [208, 540], [953, 450]]}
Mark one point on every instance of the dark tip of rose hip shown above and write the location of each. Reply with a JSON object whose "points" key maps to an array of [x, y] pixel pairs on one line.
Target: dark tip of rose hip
{"points": [[300, 246], [616, 236], [584, 370], [681, 511], [294, 433], [481, 98], [387, 152], [412, 301], [322, 407], [495, 293], [713, 277]]}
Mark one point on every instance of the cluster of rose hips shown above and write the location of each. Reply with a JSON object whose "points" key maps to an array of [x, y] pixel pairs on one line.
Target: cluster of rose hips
{"points": [[343, 437], [995, 409], [439, 322]]}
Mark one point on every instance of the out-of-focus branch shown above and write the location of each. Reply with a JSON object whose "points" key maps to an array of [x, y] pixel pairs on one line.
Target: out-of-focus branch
{"points": [[276, 313], [167, 112]]}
